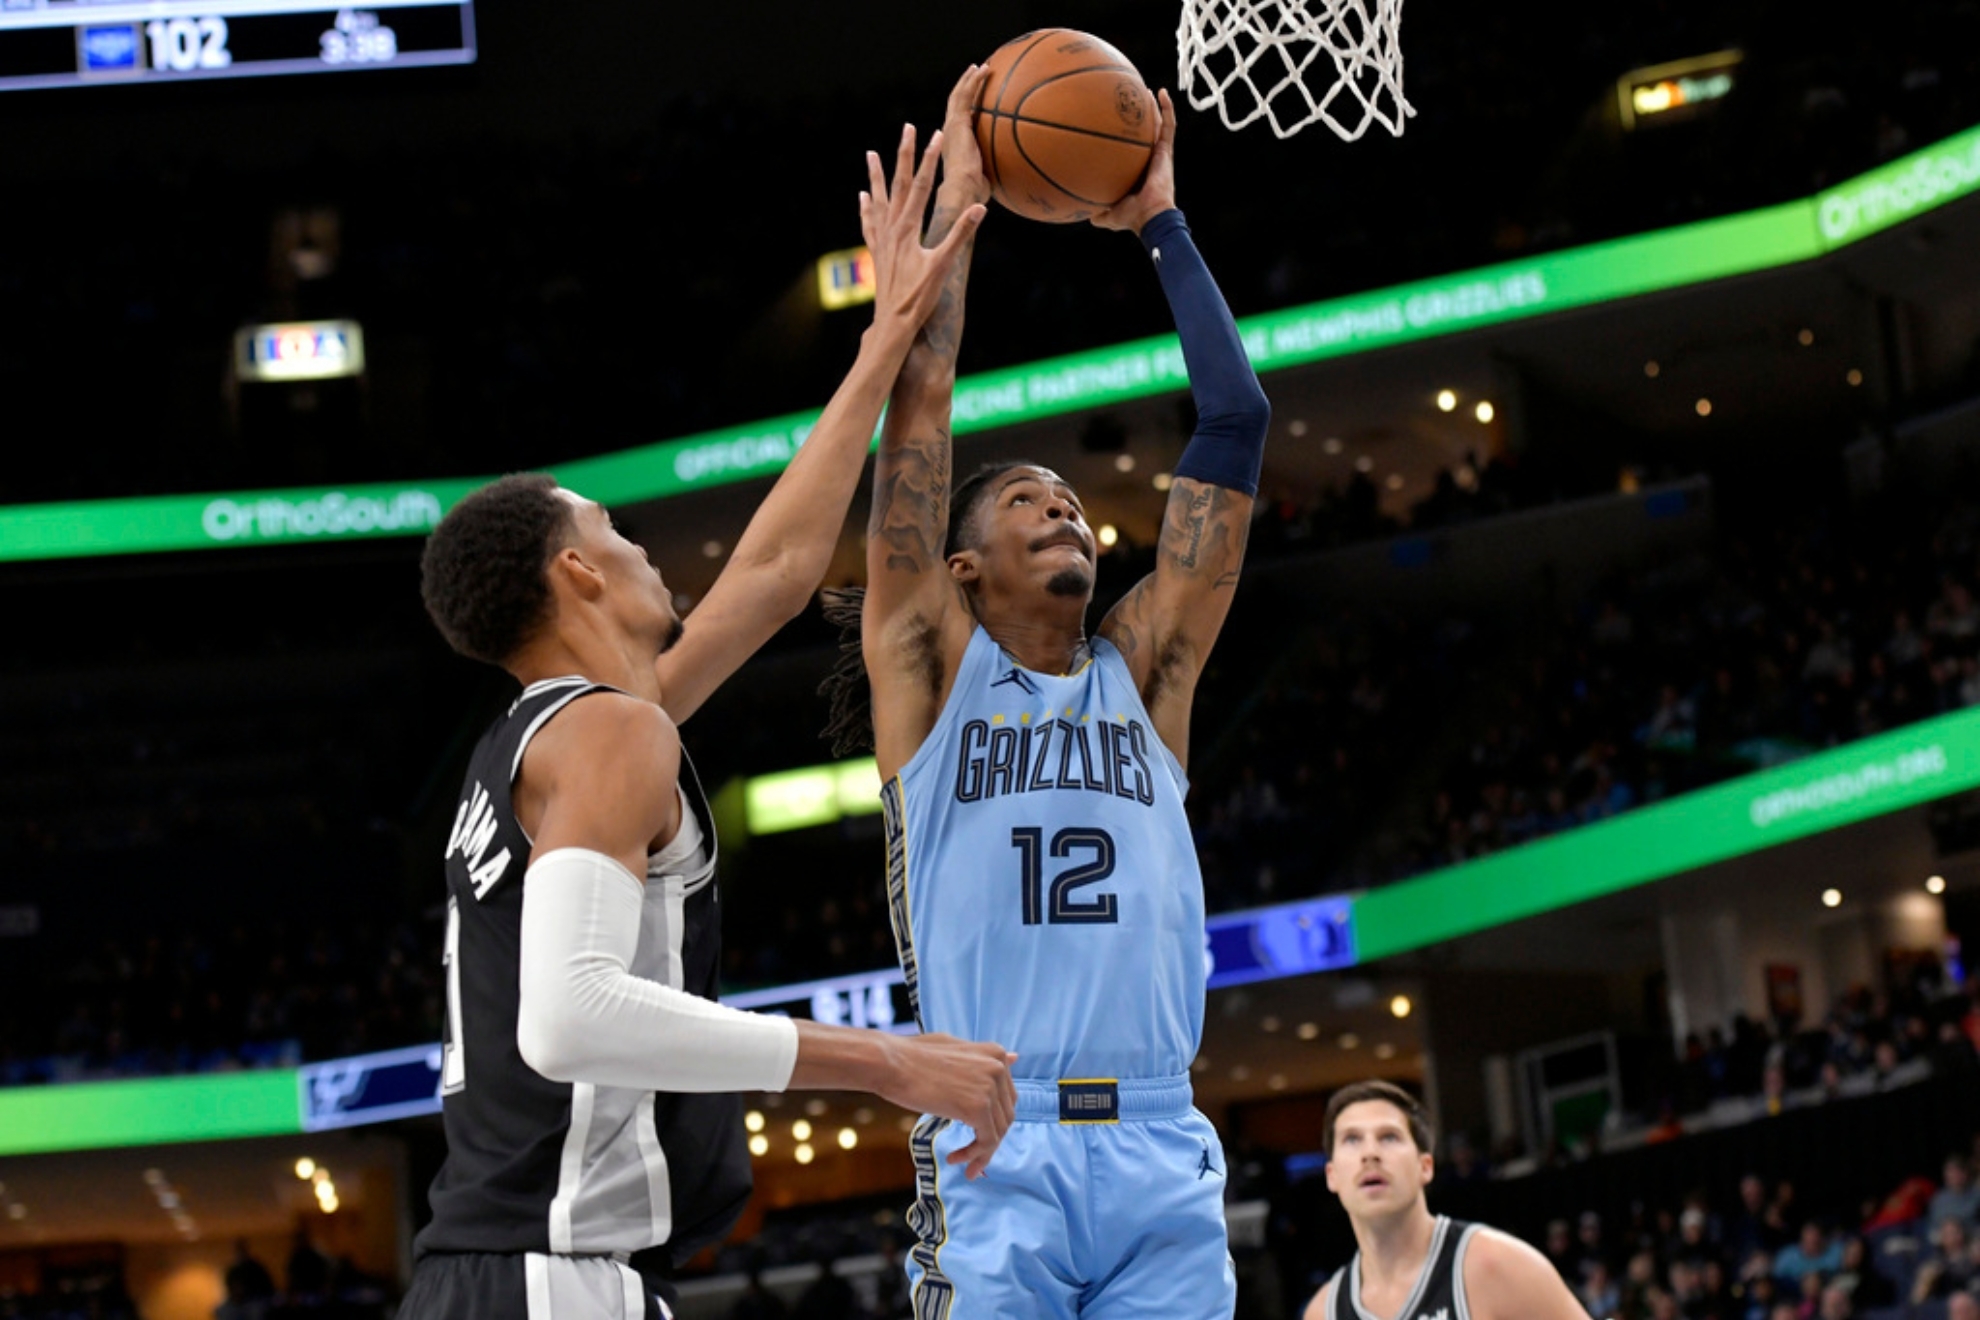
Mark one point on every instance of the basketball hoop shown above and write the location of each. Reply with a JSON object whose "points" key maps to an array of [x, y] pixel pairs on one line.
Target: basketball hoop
{"points": [[1251, 59]]}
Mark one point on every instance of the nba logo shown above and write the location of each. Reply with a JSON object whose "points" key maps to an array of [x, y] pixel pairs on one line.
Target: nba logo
{"points": [[109, 51]]}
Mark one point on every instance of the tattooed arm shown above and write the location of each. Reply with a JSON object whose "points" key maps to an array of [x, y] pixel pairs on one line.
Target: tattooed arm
{"points": [[1165, 627], [783, 553], [916, 625]]}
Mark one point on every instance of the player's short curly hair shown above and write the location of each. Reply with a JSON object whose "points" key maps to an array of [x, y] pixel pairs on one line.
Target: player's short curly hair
{"points": [[966, 503], [1388, 1093], [482, 573]]}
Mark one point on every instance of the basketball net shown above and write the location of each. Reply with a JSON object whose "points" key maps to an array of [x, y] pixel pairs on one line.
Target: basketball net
{"points": [[1251, 59]]}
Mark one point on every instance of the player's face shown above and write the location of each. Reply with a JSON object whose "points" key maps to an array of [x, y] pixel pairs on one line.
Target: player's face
{"points": [[1376, 1168], [1032, 534], [633, 585]]}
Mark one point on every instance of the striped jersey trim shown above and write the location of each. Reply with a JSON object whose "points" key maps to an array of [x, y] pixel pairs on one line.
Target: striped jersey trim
{"points": [[893, 806], [934, 1293]]}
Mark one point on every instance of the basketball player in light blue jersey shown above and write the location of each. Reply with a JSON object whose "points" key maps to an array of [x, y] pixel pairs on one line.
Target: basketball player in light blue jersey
{"points": [[1043, 884]]}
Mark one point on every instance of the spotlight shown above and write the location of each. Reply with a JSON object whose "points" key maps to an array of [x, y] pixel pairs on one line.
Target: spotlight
{"points": [[1831, 898], [1400, 1006], [1446, 400], [1935, 885], [804, 1154]]}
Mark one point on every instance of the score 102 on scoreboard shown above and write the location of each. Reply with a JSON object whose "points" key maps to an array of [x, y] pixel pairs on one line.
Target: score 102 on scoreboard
{"points": [[70, 43]]}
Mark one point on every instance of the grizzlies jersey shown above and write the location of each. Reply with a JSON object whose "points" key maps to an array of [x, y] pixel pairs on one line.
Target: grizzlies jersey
{"points": [[1439, 1292], [1042, 879], [540, 1166]]}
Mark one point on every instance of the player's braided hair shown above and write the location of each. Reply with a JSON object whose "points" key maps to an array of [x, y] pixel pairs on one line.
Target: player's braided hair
{"points": [[482, 572], [849, 727]]}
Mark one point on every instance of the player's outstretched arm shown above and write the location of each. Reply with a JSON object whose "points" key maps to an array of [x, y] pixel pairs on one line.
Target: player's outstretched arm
{"points": [[1317, 1308], [1506, 1279], [783, 553], [914, 624], [1166, 626]]}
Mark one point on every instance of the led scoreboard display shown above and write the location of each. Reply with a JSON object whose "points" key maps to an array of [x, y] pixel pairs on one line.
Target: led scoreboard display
{"points": [[68, 43]]}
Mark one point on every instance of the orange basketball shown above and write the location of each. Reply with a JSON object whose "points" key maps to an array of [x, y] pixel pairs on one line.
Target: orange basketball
{"points": [[1065, 124]]}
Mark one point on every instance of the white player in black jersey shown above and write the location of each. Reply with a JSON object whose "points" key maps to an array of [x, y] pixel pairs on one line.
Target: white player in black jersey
{"points": [[594, 1135], [1411, 1264]]}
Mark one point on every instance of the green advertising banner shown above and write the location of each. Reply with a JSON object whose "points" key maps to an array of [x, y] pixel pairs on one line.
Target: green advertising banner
{"points": [[38, 1119], [1668, 259], [1823, 792]]}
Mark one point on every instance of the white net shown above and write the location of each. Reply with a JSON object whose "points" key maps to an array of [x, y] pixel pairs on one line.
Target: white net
{"points": [[1261, 59]]}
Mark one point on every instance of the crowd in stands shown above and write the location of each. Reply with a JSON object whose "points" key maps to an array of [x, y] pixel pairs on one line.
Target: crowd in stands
{"points": [[1793, 636], [1768, 1257]]}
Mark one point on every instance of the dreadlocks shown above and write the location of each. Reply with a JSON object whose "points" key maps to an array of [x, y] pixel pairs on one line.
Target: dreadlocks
{"points": [[849, 726]]}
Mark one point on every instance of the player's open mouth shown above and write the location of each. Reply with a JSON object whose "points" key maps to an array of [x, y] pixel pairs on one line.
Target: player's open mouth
{"points": [[1373, 1180], [1058, 542]]}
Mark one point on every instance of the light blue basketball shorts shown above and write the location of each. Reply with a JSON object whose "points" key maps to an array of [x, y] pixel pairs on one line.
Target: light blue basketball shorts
{"points": [[1105, 1201]]}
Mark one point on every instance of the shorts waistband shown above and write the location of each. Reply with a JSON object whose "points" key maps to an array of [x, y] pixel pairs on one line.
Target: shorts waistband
{"points": [[1103, 1099]]}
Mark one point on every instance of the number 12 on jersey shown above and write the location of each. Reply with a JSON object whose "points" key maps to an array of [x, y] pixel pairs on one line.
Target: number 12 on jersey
{"points": [[1059, 907]]}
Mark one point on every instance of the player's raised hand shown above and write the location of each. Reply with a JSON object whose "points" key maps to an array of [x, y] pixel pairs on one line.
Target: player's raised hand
{"points": [[963, 178], [908, 276], [1157, 192], [960, 1080]]}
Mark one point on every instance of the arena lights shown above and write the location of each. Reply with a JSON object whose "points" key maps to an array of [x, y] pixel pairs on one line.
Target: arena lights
{"points": [[816, 1107], [1124, 462], [1308, 1031], [803, 1154], [846, 279], [759, 1145], [1331, 445], [1400, 1006], [753, 1120], [1667, 93], [1485, 412], [1806, 338], [1162, 481], [848, 1138], [1447, 400], [1296, 428], [1703, 407], [1935, 884], [1831, 898], [305, 1168], [1348, 1041], [1854, 377], [303, 350], [1276, 1082], [1108, 535], [801, 1130], [1394, 481], [1385, 1051], [1268, 1023], [1653, 369]]}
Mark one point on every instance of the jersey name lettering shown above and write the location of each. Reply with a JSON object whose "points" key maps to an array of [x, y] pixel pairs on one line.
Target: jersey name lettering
{"points": [[474, 830], [998, 760]]}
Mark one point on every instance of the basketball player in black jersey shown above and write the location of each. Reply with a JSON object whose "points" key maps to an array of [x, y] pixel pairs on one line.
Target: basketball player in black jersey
{"points": [[1411, 1264], [594, 1135]]}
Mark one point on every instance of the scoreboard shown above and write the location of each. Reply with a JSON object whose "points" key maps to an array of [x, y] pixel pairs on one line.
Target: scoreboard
{"points": [[69, 43]]}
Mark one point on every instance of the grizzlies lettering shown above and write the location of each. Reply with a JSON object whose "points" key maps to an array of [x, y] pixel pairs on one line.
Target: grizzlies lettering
{"points": [[999, 760]]}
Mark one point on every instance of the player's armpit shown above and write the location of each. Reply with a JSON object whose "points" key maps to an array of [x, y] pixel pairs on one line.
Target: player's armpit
{"points": [[1167, 625], [1506, 1279], [602, 776]]}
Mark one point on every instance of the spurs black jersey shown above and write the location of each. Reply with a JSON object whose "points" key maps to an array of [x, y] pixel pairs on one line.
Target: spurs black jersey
{"points": [[1439, 1293], [542, 1166]]}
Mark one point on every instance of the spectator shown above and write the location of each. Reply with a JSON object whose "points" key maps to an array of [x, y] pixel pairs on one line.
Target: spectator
{"points": [[1950, 1267], [757, 1302], [1836, 1304], [1867, 1286], [1957, 1198], [1599, 1293], [1815, 1253], [1963, 1306]]}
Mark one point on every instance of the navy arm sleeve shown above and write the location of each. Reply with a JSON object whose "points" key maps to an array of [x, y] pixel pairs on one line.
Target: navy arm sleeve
{"points": [[1232, 413]]}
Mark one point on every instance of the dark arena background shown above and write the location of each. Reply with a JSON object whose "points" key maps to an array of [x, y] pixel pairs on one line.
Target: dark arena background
{"points": [[1594, 748]]}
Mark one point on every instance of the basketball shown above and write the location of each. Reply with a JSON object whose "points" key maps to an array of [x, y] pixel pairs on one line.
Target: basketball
{"points": [[1065, 124]]}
